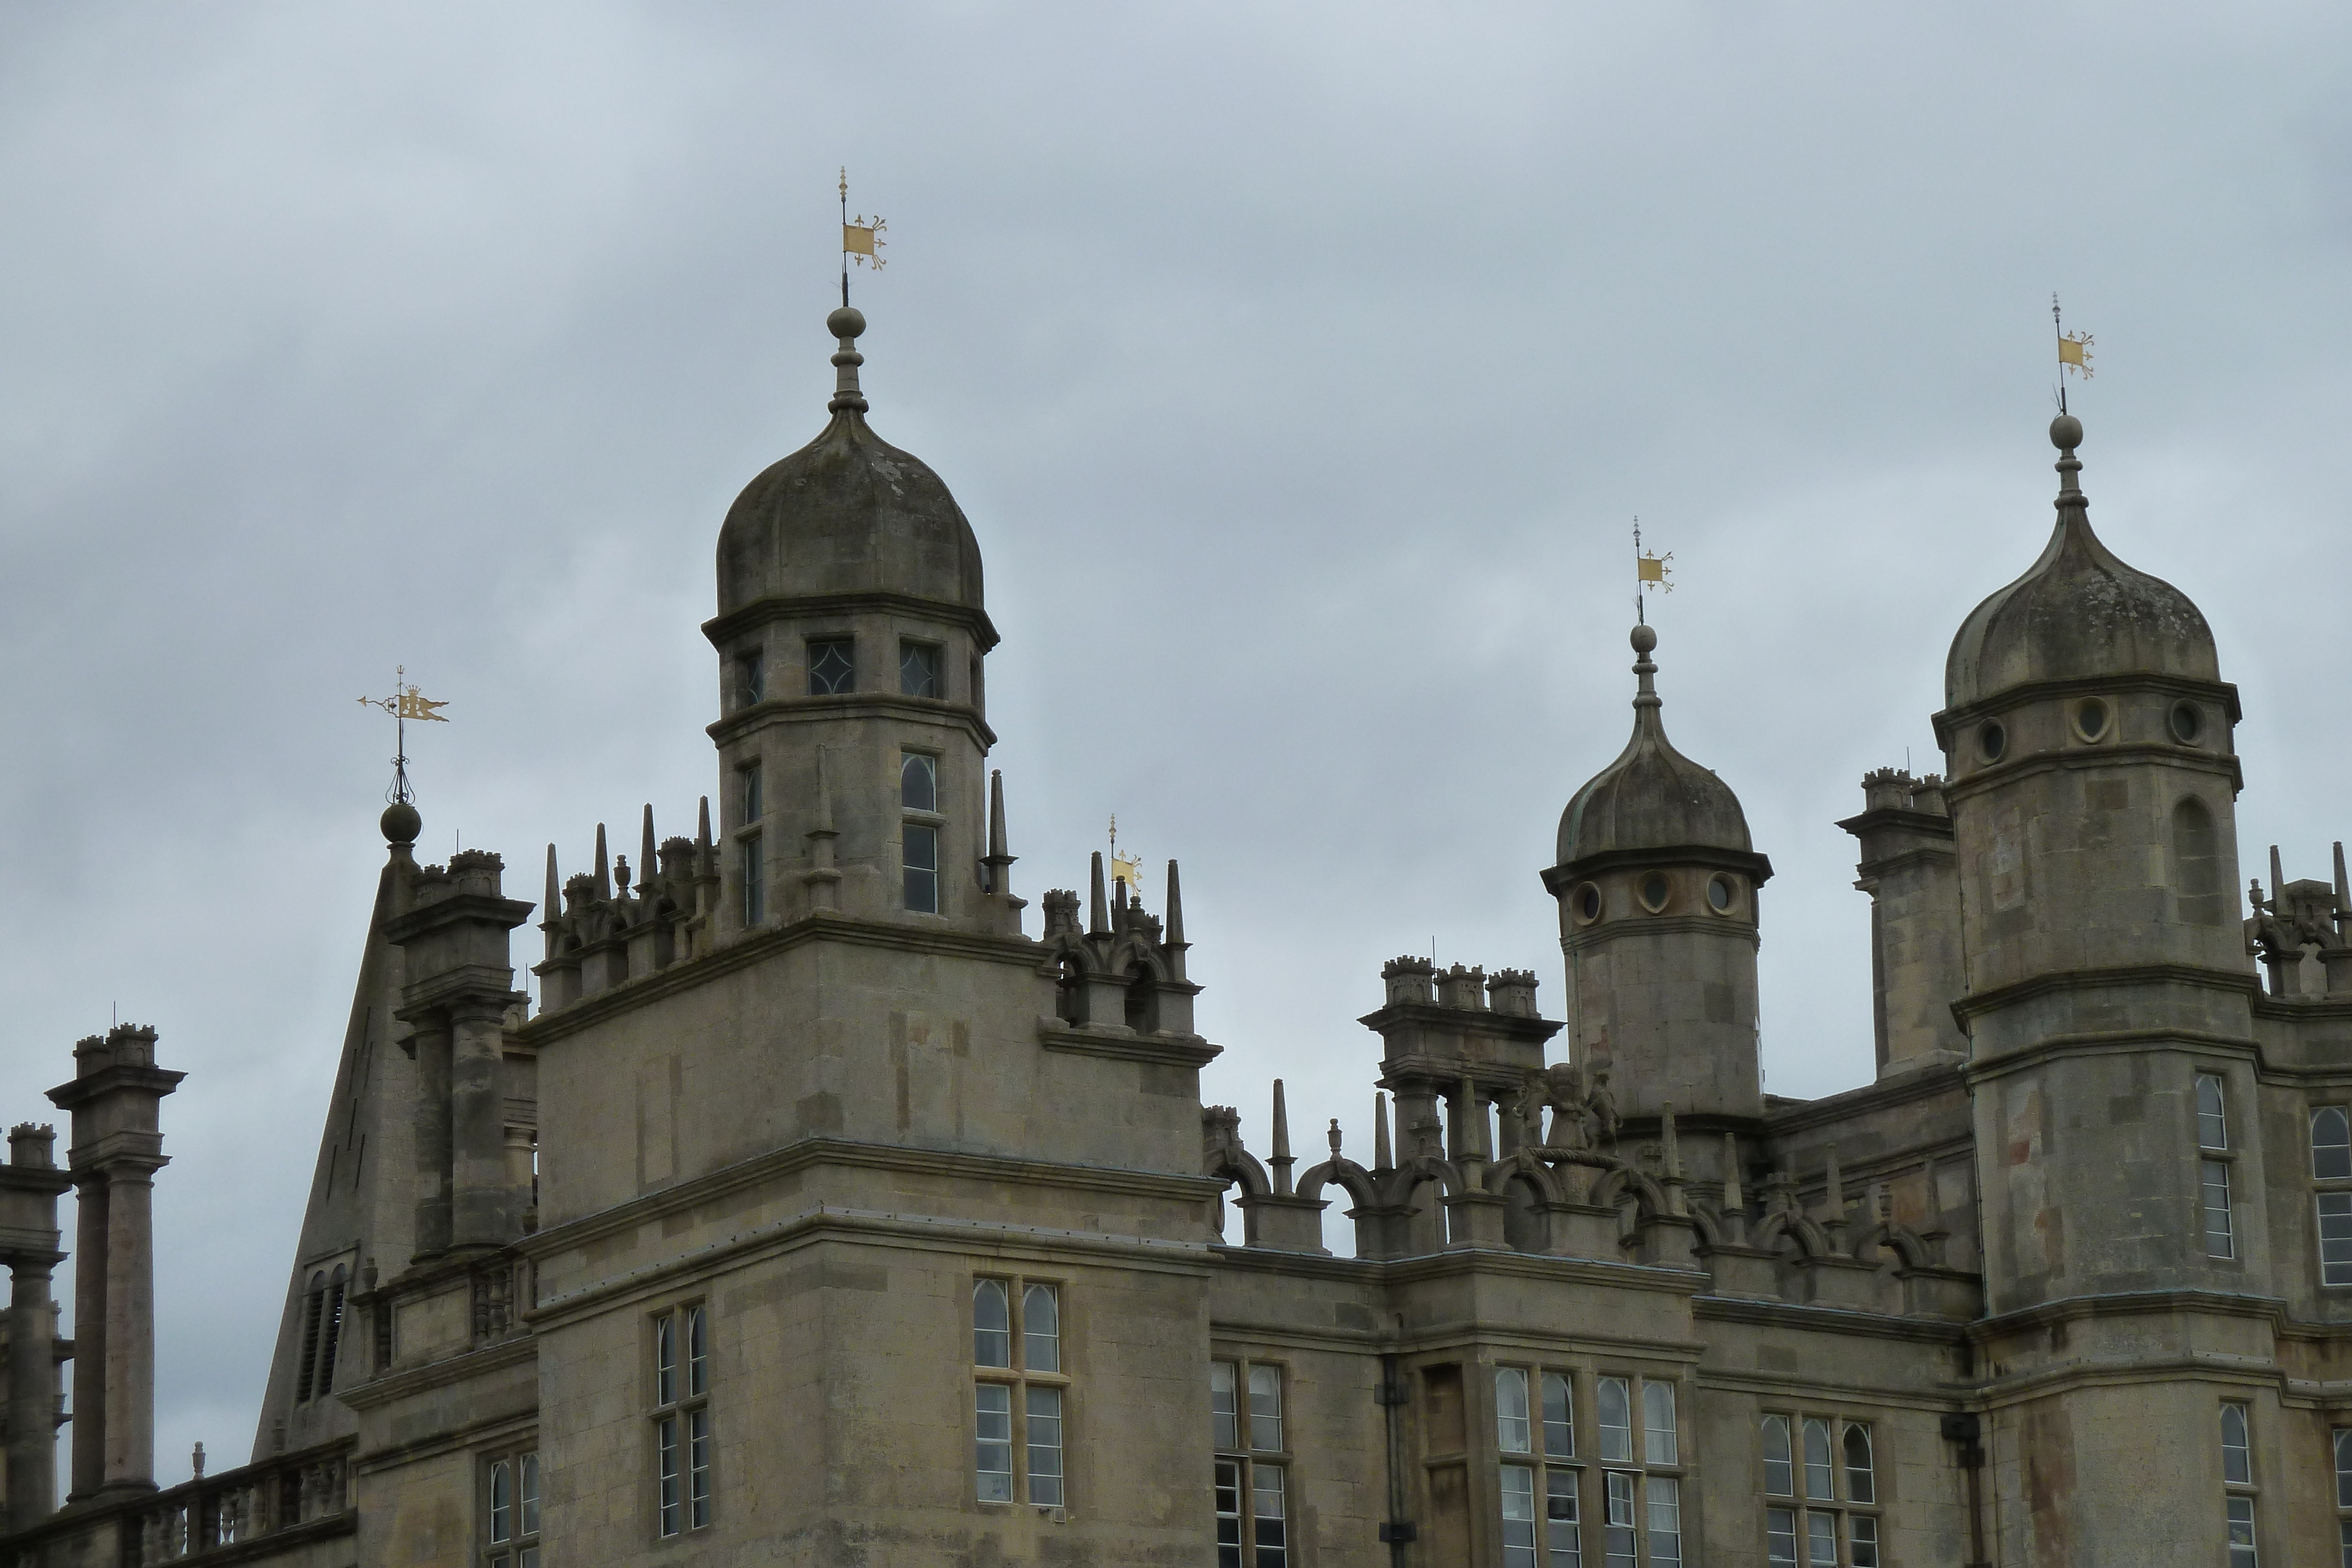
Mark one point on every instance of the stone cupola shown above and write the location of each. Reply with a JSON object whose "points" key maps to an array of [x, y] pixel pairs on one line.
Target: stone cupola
{"points": [[1657, 879]]}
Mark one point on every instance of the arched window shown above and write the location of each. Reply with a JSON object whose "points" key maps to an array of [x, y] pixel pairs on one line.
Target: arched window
{"points": [[2198, 892], [2331, 1144], [1860, 1484], [1779, 1463], [1818, 1468], [330, 1330], [992, 1324], [1070, 990], [313, 1304], [1140, 1000]]}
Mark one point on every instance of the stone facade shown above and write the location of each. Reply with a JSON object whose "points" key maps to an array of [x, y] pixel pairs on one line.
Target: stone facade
{"points": [[831, 1210]]}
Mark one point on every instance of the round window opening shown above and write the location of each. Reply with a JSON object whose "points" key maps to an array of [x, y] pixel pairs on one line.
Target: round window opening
{"points": [[2186, 722], [1993, 740], [1718, 895], [1653, 893], [2091, 719], [1588, 903]]}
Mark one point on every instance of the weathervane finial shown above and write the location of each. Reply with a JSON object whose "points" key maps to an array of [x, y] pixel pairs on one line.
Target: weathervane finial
{"points": [[2073, 351], [1648, 568], [405, 704], [859, 237]]}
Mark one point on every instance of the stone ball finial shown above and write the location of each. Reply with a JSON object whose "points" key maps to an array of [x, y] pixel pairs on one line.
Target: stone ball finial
{"points": [[401, 823], [847, 322], [1645, 637], [2065, 432]]}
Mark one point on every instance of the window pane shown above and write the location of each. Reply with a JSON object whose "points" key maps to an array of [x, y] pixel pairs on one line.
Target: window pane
{"points": [[1780, 1537], [665, 1360], [1041, 1329], [994, 1447], [2220, 1241], [992, 1324], [751, 870], [833, 667], [1617, 1529], [1511, 1426], [1861, 1486], [1817, 1459], [697, 1366], [2237, 1456], [1559, 1517], [2241, 1532], [1558, 1416], [918, 783], [1821, 1541], [1266, 1407], [2336, 1237], [922, 858], [2212, 1125], [1779, 1466], [2344, 1467], [750, 677], [1658, 1423], [1519, 1517], [501, 1503], [1666, 1499], [1272, 1528], [698, 1469], [749, 779], [918, 670], [2344, 1538], [1223, 1415], [1045, 1447], [1616, 1418], [529, 1525], [666, 1474], [2331, 1144], [1861, 1541], [1228, 1491]]}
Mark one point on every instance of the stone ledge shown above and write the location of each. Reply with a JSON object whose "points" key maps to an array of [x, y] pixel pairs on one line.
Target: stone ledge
{"points": [[1126, 1045]]}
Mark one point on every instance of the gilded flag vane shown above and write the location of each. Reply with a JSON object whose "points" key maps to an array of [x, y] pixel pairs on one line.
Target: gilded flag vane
{"points": [[861, 238], [405, 704], [2074, 352], [1648, 569], [1128, 869]]}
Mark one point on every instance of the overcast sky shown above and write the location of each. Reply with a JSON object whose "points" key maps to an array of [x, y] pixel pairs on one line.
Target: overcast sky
{"points": [[1301, 368]]}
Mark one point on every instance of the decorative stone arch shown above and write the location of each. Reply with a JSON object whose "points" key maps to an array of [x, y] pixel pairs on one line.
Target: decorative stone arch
{"points": [[1809, 1239], [1361, 1185]]}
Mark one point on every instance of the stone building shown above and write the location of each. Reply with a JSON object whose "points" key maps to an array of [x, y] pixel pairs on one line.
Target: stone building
{"points": [[832, 1210]]}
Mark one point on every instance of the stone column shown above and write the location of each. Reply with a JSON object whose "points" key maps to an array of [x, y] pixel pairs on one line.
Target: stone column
{"points": [[482, 1201], [130, 1323], [90, 1334], [30, 1185], [433, 1105]]}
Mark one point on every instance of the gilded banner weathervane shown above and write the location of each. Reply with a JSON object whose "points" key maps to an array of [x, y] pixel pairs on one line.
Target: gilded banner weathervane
{"points": [[405, 704]]}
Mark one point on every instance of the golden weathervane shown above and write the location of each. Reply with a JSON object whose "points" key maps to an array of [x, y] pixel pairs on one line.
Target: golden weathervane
{"points": [[860, 238], [405, 704], [2074, 352], [1648, 569]]}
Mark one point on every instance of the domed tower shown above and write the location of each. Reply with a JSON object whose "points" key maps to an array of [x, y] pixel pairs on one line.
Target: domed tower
{"points": [[2086, 732], [850, 634], [1657, 887]]}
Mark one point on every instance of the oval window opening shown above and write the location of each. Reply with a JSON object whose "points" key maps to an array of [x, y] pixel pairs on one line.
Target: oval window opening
{"points": [[2186, 722], [1993, 740], [1588, 903], [2091, 719], [1718, 895], [1653, 893]]}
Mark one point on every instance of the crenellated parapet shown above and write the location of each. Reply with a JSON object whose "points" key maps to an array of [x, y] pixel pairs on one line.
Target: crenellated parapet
{"points": [[604, 929]]}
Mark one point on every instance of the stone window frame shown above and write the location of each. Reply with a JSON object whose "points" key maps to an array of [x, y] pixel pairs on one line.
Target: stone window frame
{"points": [[938, 667], [2340, 1440], [934, 820], [2215, 1158], [1841, 1509], [1245, 1461], [326, 1315], [512, 1541], [678, 1421], [1642, 1478], [810, 654], [2241, 1493], [751, 677], [751, 879], [1545, 1465], [2325, 1187], [1018, 1377]]}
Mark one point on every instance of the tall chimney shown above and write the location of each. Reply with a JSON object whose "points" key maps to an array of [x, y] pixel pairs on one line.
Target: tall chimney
{"points": [[30, 1185]]}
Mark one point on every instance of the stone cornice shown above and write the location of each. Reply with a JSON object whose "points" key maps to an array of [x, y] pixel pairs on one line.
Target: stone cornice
{"points": [[1438, 1018], [1126, 1045], [1457, 1261], [825, 926], [406, 1382], [2272, 1310], [2105, 754], [1841, 1321], [759, 613], [1558, 879], [458, 908], [1903, 1088], [812, 1152], [75, 1093], [2103, 1042], [1977, 1003], [2013, 697], [851, 704]]}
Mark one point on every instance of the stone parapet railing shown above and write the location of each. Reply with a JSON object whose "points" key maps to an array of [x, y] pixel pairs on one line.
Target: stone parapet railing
{"points": [[297, 1506]]}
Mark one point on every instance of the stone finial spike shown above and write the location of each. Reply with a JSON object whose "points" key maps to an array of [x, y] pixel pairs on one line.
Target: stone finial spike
{"points": [[1097, 906], [1382, 1160], [996, 813], [1734, 1199], [846, 324], [824, 793], [1176, 905], [2278, 877], [702, 825], [1333, 1138], [647, 850], [1834, 1191], [1281, 1159], [2343, 893], [604, 872], [553, 907]]}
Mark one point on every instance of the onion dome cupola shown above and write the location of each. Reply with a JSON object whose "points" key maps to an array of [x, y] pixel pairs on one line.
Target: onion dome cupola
{"points": [[854, 737], [2077, 635], [1656, 879]]}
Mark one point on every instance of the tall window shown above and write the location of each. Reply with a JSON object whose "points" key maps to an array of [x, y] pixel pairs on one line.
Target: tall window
{"points": [[2331, 1165], [2342, 1439], [1640, 1498], [1535, 1419], [918, 670], [2213, 1170], [2331, 1144], [322, 1333], [1019, 1392], [919, 796], [1821, 1492], [681, 1421], [831, 667], [512, 1537], [750, 677], [2238, 1472], [748, 794], [751, 870], [1252, 1465]]}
